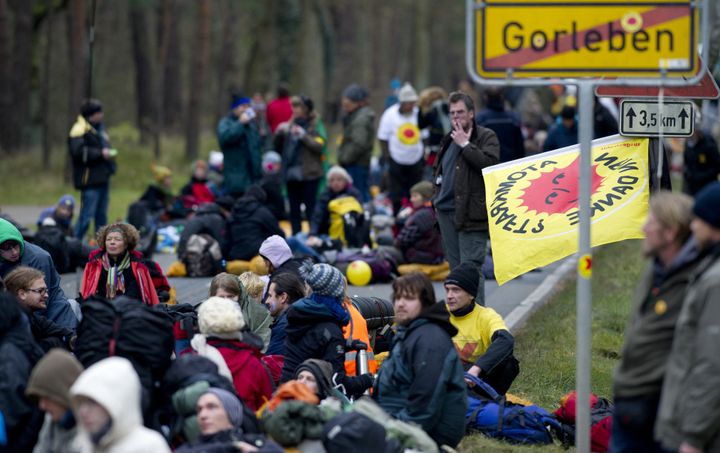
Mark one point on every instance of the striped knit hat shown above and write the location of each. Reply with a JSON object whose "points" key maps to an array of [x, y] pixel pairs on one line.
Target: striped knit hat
{"points": [[325, 280]]}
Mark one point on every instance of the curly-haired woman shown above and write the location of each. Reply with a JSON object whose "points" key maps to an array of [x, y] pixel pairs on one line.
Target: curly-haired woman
{"points": [[117, 268]]}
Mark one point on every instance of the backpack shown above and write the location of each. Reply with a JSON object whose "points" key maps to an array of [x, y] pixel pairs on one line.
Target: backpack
{"points": [[52, 240], [493, 416], [125, 327], [185, 324], [202, 256], [348, 222], [601, 412]]}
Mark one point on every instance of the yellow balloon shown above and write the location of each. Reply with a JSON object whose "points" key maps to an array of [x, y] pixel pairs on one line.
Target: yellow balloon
{"points": [[359, 273]]}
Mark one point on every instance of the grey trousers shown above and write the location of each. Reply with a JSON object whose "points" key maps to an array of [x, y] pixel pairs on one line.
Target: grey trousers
{"points": [[462, 246]]}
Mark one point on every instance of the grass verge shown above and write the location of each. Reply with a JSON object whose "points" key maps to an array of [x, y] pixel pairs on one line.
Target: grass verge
{"points": [[23, 180], [545, 347]]}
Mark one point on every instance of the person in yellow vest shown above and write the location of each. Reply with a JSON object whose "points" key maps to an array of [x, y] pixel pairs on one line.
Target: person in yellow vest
{"points": [[484, 343], [357, 329]]}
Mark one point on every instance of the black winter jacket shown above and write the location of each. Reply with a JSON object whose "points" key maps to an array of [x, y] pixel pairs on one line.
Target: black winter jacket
{"points": [[18, 355], [48, 334], [318, 336], [85, 143], [209, 219], [225, 442], [320, 223], [702, 163], [250, 225]]}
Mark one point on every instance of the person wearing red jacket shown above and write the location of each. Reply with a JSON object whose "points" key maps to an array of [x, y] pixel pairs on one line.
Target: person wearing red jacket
{"points": [[280, 109], [116, 268], [224, 339]]}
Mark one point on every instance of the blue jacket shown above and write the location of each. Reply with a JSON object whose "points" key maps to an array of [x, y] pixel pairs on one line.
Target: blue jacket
{"points": [[560, 137], [422, 379], [278, 335]]}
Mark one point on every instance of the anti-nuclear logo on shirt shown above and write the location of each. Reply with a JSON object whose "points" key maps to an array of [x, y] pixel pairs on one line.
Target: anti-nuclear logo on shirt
{"points": [[408, 134]]}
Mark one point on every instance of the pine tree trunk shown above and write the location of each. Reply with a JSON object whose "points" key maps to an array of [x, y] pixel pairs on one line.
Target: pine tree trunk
{"points": [[21, 75], [143, 71], [5, 84], [172, 105], [45, 94], [226, 58], [200, 58], [77, 57]]}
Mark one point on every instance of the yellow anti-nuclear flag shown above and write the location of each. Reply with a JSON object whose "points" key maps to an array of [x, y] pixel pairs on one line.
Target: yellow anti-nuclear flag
{"points": [[533, 210]]}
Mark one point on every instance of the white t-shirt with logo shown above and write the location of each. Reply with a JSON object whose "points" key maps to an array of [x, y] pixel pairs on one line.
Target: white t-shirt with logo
{"points": [[402, 134]]}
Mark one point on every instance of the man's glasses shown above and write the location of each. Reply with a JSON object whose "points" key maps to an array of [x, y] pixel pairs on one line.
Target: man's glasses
{"points": [[41, 291], [8, 245]]}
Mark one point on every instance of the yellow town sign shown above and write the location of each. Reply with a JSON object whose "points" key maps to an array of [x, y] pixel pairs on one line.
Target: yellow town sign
{"points": [[567, 39]]}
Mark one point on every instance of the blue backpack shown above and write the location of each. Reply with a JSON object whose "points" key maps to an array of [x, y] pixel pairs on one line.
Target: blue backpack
{"points": [[494, 417]]}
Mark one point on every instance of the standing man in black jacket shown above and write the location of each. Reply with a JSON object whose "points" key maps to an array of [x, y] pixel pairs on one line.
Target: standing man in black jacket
{"points": [[93, 164], [460, 192]]}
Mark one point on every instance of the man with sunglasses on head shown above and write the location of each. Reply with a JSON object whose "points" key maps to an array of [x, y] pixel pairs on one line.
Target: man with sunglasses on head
{"points": [[14, 252]]}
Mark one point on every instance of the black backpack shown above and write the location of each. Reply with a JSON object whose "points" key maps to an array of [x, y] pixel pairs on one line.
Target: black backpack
{"points": [[202, 256], [126, 327], [52, 240]]}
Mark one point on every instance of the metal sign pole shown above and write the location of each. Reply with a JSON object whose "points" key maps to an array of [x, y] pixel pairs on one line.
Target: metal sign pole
{"points": [[584, 282]]}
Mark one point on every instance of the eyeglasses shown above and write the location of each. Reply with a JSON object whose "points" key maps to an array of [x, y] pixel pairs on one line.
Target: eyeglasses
{"points": [[8, 245], [41, 291]]}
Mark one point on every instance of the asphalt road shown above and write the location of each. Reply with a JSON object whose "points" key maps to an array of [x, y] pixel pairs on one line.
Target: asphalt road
{"points": [[504, 299]]}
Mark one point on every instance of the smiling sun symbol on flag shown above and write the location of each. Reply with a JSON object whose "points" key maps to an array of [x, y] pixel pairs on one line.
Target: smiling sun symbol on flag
{"points": [[408, 134], [556, 191]]}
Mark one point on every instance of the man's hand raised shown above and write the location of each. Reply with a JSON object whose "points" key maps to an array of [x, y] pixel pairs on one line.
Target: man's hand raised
{"points": [[460, 136]]}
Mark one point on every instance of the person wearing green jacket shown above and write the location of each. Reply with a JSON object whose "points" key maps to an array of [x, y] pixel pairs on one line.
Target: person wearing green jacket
{"points": [[358, 137], [240, 143], [688, 417]]}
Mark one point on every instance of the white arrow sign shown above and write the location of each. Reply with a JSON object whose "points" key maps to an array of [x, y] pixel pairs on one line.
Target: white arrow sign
{"points": [[644, 118]]}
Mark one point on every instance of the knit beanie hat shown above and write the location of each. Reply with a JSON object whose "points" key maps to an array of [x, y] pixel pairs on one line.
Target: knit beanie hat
{"points": [[231, 404], [220, 317], [355, 93], [275, 250], [90, 107], [424, 188], [337, 170], [407, 93], [53, 376], [68, 201], [324, 279], [160, 173], [707, 204], [271, 161], [466, 277], [238, 100], [323, 373]]}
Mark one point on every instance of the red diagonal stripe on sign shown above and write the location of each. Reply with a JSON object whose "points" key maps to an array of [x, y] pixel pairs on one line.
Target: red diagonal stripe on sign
{"points": [[528, 55]]}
